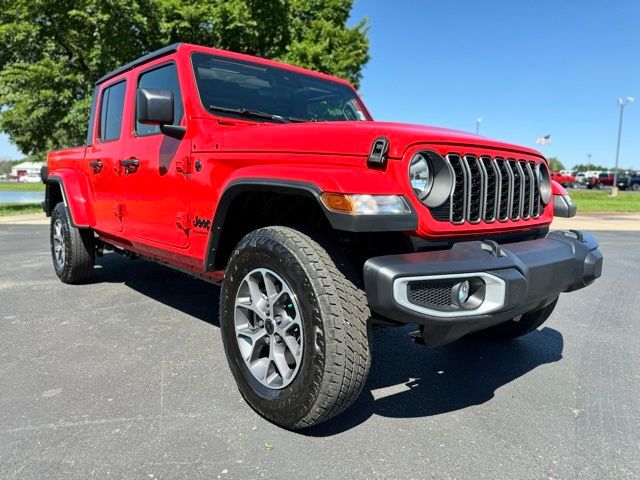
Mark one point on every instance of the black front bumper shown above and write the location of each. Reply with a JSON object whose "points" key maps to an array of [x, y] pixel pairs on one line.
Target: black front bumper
{"points": [[533, 273]]}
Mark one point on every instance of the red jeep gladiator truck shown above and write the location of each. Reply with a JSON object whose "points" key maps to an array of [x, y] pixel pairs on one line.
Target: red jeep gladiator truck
{"points": [[565, 178], [317, 221]]}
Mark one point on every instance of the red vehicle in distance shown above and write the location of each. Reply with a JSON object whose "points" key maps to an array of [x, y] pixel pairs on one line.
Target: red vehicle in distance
{"points": [[566, 178], [318, 222], [601, 181]]}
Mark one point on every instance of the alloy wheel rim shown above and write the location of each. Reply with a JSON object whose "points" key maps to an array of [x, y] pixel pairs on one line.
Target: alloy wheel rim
{"points": [[268, 327], [58, 243]]}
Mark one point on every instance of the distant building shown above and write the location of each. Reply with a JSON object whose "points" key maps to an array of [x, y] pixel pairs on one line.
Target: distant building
{"points": [[26, 168]]}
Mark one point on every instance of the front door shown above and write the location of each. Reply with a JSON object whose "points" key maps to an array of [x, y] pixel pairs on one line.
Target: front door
{"points": [[157, 189], [103, 158]]}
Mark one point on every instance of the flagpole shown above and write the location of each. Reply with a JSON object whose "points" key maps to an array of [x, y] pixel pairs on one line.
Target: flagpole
{"points": [[622, 103]]}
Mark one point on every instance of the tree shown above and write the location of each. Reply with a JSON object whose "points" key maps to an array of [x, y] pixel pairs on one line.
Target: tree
{"points": [[5, 166], [583, 167], [54, 50], [555, 165]]}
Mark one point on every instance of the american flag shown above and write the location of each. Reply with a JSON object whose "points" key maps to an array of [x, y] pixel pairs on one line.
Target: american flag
{"points": [[544, 140]]}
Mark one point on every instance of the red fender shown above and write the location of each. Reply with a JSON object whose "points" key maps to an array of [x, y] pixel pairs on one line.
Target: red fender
{"points": [[75, 192], [557, 189]]}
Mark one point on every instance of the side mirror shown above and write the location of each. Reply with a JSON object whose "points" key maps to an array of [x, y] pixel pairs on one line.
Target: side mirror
{"points": [[155, 107]]}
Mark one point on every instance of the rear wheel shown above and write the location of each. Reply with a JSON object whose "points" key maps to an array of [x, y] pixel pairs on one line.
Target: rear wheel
{"points": [[635, 187], [515, 328], [294, 326], [72, 249]]}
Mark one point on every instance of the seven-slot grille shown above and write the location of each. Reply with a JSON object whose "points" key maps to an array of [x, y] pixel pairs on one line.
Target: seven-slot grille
{"points": [[489, 189]]}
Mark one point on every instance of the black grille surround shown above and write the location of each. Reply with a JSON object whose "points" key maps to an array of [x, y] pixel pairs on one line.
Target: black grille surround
{"points": [[488, 189]]}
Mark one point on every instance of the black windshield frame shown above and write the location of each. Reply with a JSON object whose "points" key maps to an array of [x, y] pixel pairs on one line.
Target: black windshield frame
{"points": [[285, 106]]}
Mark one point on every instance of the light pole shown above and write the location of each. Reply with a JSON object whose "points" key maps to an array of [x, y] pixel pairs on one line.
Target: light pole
{"points": [[478, 122], [622, 103]]}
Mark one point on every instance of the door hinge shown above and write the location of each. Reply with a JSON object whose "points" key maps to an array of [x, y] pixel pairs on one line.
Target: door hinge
{"points": [[183, 221], [184, 166]]}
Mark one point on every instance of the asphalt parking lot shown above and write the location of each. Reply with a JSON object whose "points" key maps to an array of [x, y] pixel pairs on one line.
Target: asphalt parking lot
{"points": [[126, 378]]}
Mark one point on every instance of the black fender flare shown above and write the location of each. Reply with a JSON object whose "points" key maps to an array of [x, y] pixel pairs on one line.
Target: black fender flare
{"points": [[337, 220]]}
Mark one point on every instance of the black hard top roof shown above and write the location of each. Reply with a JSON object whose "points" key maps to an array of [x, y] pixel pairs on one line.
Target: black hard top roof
{"points": [[144, 59]]}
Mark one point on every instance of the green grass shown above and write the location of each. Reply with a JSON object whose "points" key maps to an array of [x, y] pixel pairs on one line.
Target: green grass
{"points": [[19, 208], [596, 201], [21, 187]]}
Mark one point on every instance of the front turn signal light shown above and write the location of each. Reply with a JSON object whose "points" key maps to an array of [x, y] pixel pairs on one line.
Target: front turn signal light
{"points": [[363, 204]]}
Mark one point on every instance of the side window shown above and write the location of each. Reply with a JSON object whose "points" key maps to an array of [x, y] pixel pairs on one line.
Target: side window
{"points": [[111, 108], [163, 78]]}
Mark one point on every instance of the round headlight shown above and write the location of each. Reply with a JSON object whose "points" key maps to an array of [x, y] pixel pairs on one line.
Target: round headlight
{"points": [[420, 175], [544, 183]]}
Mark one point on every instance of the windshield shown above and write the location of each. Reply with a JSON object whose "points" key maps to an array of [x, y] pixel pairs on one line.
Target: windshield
{"points": [[237, 88]]}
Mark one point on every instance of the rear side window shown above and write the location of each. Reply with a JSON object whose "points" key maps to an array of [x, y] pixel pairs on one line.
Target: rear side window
{"points": [[163, 78], [111, 108]]}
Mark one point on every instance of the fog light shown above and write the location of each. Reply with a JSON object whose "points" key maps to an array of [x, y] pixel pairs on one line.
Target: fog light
{"points": [[463, 292]]}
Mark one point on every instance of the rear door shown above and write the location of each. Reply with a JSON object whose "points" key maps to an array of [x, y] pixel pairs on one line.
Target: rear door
{"points": [[104, 154], [157, 194]]}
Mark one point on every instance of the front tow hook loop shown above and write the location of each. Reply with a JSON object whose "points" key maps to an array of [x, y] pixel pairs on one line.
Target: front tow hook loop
{"points": [[578, 235], [493, 247]]}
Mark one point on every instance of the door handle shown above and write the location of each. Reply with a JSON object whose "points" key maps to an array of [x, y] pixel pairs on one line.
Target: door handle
{"points": [[130, 165], [96, 166]]}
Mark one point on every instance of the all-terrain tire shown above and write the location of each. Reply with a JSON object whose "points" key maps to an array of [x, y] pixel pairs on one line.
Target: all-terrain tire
{"points": [[336, 355], [78, 255], [511, 329]]}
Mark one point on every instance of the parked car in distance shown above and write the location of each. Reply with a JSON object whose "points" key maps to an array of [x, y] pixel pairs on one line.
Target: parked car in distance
{"points": [[29, 179], [566, 178], [601, 181], [582, 178], [318, 222], [630, 182]]}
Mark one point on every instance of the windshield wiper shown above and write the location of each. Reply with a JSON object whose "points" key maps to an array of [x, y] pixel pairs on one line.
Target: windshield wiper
{"points": [[246, 113]]}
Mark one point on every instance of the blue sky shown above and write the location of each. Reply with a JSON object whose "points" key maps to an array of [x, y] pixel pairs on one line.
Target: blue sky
{"points": [[527, 68]]}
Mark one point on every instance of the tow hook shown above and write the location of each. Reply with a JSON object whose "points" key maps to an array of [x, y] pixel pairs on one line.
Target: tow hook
{"points": [[493, 247], [416, 337]]}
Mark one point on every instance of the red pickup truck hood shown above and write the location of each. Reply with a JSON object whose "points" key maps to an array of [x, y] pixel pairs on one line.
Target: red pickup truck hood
{"points": [[346, 138]]}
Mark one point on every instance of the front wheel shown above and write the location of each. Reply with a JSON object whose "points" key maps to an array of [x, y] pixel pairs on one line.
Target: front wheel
{"points": [[294, 326], [72, 249], [517, 327]]}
